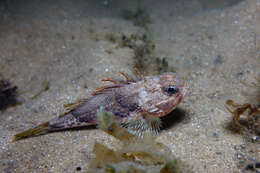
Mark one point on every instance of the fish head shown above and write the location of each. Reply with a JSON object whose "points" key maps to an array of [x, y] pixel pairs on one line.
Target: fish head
{"points": [[162, 93]]}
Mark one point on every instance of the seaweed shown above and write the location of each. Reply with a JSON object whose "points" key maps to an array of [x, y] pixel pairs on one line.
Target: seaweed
{"points": [[136, 155], [107, 124], [8, 95], [163, 65], [144, 58], [138, 16], [142, 47], [246, 121], [249, 122]]}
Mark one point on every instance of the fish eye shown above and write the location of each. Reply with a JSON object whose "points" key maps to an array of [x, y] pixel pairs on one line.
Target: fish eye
{"points": [[170, 90]]}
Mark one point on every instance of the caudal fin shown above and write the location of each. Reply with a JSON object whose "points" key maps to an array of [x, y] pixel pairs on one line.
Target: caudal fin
{"points": [[38, 130]]}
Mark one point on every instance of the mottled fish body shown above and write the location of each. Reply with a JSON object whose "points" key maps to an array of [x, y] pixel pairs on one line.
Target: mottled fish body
{"points": [[136, 104]]}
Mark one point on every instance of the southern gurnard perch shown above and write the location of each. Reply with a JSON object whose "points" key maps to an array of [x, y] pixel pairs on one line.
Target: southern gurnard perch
{"points": [[136, 104]]}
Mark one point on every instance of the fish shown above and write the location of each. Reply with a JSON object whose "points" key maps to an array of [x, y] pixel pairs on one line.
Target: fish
{"points": [[137, 105]]}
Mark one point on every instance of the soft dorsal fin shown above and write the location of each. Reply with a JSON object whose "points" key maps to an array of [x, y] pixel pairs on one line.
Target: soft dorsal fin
{"points": [[71, 106]]}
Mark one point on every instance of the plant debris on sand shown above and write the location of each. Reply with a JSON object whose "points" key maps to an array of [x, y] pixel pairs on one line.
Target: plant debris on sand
{"points": [[246, 120], [136, 155], [250, 120]]}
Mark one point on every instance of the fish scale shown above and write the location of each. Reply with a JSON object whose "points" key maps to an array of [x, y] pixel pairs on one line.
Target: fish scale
{"points": [[136, 104]]}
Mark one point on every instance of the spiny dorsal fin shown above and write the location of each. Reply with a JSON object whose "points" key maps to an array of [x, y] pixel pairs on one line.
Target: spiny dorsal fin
{"points": [[117, 83]]}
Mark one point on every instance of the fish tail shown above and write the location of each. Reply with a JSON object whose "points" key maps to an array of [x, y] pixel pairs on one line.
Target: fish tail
{"points": [[38, 130]]}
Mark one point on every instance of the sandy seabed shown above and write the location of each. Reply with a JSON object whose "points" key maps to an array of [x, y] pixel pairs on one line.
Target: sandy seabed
{"points": [[214, 45]]}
